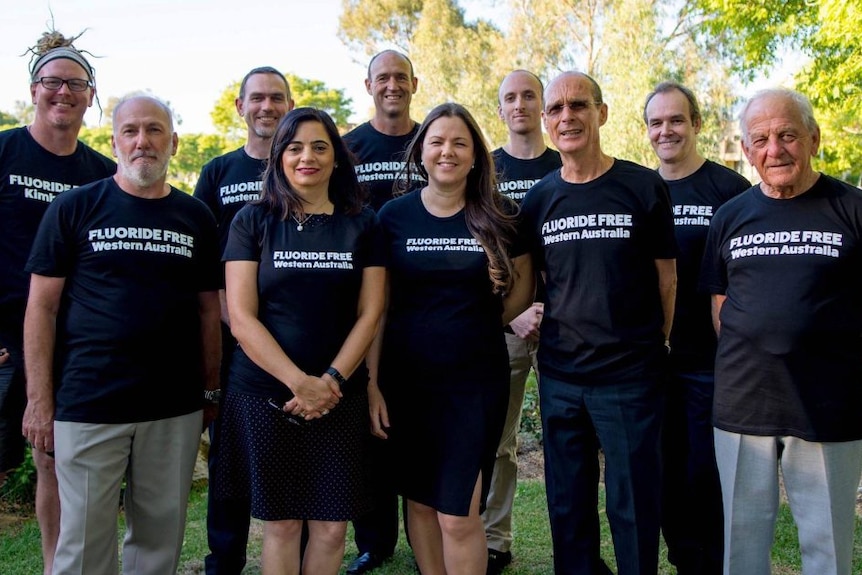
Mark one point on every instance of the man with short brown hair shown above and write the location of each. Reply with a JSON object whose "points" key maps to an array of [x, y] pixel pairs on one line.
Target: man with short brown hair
{"points": [[692, 520], [226, 184]]}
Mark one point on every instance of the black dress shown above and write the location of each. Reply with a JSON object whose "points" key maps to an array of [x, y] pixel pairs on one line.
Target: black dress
{"points": [[444, 366], [308, 285]]}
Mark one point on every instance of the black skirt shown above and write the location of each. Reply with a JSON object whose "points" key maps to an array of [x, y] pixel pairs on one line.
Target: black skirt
{"points": [[315, 471]]}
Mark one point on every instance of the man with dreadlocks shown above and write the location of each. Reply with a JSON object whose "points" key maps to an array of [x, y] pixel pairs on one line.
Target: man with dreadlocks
{"points": [[38, 162]]}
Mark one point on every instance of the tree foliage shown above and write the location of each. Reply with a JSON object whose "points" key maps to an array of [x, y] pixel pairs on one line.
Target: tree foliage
{"points": [[755, 36], [454, 59], [626, 45], [224, 115], [7, 121], [365, 26], [24, 112], [315, 93]]}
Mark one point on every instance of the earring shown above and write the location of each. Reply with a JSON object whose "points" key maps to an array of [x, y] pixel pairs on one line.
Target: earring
{"points": [[473, 166], [335, 165]]}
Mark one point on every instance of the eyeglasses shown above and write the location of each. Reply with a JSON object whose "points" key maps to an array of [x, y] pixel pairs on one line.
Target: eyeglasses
{"points": [[576, 106], [51, 83]]}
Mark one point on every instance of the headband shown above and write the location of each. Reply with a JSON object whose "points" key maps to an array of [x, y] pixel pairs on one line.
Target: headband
{"points": [[62, 52]]}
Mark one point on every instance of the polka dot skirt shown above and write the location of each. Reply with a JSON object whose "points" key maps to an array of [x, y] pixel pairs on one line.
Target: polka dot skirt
{"points": [[316, 470]]}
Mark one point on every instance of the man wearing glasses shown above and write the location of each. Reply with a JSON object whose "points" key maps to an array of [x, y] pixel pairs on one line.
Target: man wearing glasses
{"points": [[602, 233], [38, 162]]}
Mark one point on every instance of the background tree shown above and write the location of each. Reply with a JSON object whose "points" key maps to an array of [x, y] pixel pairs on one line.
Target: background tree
{"points": [[365, 26], [98, 138], [7, 121], [316, 94], [24, 112], [454, 59], [823, 34], [626, 45], [193, 151]]}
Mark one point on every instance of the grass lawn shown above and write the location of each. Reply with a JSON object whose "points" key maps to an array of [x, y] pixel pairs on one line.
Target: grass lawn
{"points": [[19, 544]]}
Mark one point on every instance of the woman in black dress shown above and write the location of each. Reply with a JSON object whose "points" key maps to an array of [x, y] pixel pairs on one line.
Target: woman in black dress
{"points": [[305, 283], [456, 275]]}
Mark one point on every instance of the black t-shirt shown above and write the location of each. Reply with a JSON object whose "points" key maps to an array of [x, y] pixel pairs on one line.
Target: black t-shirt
{"points": [[378, 160], [30, 178], [695, 199], [128, 328], [789, 358], [597, 243], [226, 184], [515, 176], [443, 323], [308, 288]]}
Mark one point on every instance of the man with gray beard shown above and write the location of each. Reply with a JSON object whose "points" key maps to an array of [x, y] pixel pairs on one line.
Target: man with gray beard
{"points": [[121, 337]]}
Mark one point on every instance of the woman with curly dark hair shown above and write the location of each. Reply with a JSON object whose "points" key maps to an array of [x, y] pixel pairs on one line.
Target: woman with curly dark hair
{"points": [[305, 290], [456, 275]]}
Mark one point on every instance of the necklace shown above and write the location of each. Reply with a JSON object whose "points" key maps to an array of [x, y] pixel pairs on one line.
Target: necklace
{"points": [[298, 222]]}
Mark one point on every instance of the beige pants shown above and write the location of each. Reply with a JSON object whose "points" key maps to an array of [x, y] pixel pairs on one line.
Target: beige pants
{"points": [[156, 459], [498, 512], [820, 479]]}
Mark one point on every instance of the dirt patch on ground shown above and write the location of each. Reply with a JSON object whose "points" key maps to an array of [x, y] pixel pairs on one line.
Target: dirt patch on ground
{"points": [[531, 459], [13, 514]]}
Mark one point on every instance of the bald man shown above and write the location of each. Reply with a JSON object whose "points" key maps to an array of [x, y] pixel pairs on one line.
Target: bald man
{"points": [[378, 146], [521, 162], [602, 233]]}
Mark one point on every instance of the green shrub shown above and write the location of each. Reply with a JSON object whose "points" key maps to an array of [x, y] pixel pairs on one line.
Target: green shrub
{"points": [[531, 419], [20, 486]]}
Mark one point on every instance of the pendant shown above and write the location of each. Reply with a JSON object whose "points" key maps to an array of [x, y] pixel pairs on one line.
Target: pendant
{"points": [[299, 227]]}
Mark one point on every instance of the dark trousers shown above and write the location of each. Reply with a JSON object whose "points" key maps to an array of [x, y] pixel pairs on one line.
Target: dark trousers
{"points": [[692, 515], [228, 520], [13, 401], [377, 531], [625, 420]]}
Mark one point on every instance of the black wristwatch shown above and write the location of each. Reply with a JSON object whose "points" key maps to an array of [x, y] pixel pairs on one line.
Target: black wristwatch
{"points": [[212, 396], [336, 375]]}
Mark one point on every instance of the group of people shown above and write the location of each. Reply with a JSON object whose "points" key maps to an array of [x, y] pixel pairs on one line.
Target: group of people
{"points": [[354, 319]]}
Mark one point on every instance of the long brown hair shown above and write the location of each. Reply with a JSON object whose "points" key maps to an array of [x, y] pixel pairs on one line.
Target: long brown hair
{"points": [[490, 216]]}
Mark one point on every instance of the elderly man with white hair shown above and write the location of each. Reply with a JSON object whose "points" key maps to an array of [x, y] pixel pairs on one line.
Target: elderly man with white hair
{"points": [[784, 264]]}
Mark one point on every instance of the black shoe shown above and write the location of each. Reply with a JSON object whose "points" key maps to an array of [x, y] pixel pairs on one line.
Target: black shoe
{"points": [[366, 562], [497, 561]]}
